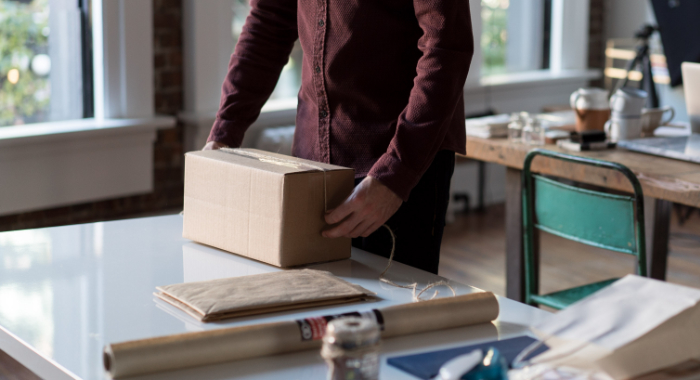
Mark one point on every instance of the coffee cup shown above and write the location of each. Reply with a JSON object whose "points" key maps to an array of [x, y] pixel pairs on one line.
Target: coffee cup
{"points": [[628, 101], [652, 119], [623, 128], [591, 107]]}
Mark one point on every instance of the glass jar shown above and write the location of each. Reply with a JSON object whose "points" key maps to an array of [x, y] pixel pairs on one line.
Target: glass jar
{"points": [[515, 128], [351, 349], [533, 132]]}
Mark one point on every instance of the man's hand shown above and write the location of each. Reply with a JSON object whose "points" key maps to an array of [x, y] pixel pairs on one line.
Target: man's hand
{"points": [[213, 145], [369, 206]]}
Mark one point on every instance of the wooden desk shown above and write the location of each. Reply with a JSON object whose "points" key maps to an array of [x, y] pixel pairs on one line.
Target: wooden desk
{"points": [[663, 181]]}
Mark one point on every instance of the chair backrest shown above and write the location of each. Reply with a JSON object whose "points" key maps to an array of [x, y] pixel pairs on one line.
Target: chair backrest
{"points": [[587, 216], [590, 217]]}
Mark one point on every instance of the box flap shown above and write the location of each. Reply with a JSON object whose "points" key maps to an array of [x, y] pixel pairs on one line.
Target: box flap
{"points": [[266, 161]]}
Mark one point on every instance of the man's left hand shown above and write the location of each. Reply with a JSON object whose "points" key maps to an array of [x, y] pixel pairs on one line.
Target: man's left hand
{"points": [[369, 206]]}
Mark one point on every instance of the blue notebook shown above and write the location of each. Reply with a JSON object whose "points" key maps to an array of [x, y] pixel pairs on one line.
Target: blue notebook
{"points": [[427, 365]]}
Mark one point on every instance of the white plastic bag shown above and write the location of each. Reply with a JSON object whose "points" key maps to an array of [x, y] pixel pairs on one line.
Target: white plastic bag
{"points": [[634, 326]]}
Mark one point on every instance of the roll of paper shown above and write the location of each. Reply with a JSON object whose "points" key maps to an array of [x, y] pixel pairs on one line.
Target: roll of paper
{"points": [[244, 342]]}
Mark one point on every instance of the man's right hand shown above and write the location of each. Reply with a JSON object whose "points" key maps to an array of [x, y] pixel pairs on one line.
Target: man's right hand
{"points": [[213, 145]]}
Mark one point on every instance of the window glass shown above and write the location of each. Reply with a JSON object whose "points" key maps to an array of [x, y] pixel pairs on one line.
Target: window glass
{"points": [[290, 80], [494, 35], [513, 35], [24, 62], [40, 61]]}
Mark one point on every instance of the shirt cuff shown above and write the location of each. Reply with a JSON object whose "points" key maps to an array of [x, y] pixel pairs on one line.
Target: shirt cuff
{"points": [[226, 132], [392, 173]]}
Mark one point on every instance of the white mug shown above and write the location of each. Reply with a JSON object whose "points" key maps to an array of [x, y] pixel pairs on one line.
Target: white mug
{"points": [[589, 99], [623, 129], [652, 118], [628, 101]]}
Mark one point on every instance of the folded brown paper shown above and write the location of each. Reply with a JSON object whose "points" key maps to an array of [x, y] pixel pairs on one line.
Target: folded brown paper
{"points": [[265, 206], [244, 342], [261, 293]]}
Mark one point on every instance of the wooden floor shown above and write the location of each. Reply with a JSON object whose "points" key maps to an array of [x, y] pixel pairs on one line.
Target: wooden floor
{"points": [[10, 369], [473, 252]]}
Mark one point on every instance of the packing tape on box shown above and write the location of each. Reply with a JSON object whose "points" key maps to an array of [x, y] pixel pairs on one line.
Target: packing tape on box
{"points": [[282, 162], [244, 342]]}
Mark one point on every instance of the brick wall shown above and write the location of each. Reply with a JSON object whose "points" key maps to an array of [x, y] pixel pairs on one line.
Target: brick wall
{"points": [[596, 38], [168, 148]]}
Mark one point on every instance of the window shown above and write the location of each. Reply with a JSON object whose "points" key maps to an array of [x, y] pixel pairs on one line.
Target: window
{"points": [[290, 79], [45, 48], [494, 35], [513, 36]]}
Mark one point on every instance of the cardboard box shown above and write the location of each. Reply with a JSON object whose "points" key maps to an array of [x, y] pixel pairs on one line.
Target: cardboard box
{"points": [[265, 206]]}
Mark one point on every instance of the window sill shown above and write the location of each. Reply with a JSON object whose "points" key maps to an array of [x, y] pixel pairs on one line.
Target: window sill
{"points": [[71, 162], [529, 78], [76, 129], [526, 91], [277, 113]]}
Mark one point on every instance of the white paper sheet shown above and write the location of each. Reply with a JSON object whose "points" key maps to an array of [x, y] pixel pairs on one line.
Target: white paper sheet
{"points": [[621, 312]]}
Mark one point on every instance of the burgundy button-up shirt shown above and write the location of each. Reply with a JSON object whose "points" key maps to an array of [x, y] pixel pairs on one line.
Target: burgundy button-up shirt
{"points": [[382, 81]]}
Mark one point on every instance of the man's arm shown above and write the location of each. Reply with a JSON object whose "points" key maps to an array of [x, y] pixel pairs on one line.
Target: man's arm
{"points": [[447, 45], [262, 51]]}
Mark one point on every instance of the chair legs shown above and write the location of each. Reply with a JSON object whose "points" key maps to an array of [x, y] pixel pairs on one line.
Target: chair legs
{"points": [[658, 224]]}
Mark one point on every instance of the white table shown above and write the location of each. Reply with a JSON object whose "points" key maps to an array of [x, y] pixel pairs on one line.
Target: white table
{"points": [[67, 291]]}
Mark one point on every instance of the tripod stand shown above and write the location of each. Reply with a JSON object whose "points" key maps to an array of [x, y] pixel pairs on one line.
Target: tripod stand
{"points": [[647, 82]]}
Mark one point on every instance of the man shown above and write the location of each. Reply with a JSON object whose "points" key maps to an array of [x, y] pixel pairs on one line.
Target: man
{"points": [[381, 93]]}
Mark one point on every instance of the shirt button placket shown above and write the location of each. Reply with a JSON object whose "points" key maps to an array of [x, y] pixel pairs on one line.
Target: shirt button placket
{"points": [[323, 112]]}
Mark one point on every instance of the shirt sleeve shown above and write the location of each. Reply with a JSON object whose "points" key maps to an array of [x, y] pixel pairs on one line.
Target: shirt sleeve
{"points": [[447, 45], [262, 51]]}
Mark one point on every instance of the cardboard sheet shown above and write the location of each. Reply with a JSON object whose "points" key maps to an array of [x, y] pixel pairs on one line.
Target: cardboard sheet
{"points": [[261, 293]]}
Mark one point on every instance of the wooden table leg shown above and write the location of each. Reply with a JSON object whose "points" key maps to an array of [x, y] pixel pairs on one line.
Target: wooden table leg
{"points": [[657, 222], [482, 186], [515, 268]]}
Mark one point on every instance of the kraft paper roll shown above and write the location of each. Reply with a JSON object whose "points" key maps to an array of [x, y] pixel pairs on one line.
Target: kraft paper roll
{"points": [[223, 345]]}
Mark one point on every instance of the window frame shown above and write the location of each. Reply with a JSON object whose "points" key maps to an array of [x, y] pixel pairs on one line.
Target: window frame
{"points": [[564, 57], [123, 59], [104, 157], [86, 58]]}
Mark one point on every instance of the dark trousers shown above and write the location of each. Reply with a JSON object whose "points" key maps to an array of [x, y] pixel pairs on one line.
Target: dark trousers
{"points": [[419, 222]]}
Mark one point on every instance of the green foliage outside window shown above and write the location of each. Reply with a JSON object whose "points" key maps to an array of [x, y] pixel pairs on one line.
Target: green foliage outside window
{"points": [[494, 35], [24, 31], [290, 79]]}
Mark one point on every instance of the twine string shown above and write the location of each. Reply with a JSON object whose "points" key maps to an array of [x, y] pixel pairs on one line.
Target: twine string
{"points": [[413, 286]]}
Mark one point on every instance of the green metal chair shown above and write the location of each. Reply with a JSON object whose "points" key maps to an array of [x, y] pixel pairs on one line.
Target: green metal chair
{"points": [[591, 217]]}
